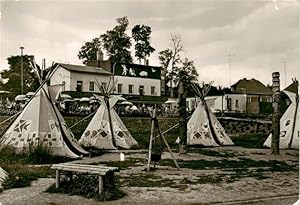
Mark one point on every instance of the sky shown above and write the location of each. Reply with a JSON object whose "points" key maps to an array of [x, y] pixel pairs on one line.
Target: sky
{"points": [[227, 39]]}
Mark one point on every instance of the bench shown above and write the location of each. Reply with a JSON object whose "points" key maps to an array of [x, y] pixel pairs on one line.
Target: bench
{"points": [[100, 170]]}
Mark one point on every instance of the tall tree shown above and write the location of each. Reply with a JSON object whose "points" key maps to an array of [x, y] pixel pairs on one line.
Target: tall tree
{"points": [[13, 74], [170, 60], [88, 52], [117, 43], [141, 35]]}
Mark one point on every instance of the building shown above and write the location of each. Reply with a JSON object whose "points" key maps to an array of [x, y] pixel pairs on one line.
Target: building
{"points": [[259, 96], [79, 78]]}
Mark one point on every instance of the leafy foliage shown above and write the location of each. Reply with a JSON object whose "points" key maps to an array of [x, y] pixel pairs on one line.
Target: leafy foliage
{"points": [[141, 35], [117, 43], [89, 50], [87, 186], [13, 74]]}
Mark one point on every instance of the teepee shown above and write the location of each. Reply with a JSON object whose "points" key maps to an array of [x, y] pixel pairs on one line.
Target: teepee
{"points": [[40, 123], [203, 128], [106, 130], [289, 124], [3, 176]]}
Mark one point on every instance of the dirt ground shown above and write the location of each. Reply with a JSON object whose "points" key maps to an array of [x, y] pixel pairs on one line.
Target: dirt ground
{"points": [[278, 188]]}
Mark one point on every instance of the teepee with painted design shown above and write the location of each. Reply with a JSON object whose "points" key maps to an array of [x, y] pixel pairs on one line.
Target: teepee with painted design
{"points": [[106, 130], [289, 122], [40, 123], [203, 127], [3, 176]]}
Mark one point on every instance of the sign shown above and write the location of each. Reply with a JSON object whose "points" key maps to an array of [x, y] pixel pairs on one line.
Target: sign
{"points": [[136, 70]]}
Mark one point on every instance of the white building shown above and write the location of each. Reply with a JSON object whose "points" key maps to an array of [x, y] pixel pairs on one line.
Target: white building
{"points": [[135, 79], [79, 78]]}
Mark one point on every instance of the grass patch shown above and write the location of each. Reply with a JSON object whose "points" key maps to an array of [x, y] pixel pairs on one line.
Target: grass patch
{"points": [[16, 164], [20, 175], [212, 153], [250, 140], [87, 186], [272, 165]]}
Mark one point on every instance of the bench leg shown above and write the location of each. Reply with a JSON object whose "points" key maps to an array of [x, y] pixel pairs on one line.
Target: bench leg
{"points": [[101, 186], [57, 179]]}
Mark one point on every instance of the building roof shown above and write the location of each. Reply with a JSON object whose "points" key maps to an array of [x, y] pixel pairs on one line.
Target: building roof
{"points": [[84, 69], [251, 86], [293, 87]]}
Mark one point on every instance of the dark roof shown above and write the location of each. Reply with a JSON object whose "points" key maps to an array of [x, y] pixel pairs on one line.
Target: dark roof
{"points": [[251, 87], [84, 69], [293, 87]]}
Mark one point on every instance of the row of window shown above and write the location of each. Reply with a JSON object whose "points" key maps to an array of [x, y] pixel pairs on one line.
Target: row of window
{"points": [[119, 88]]}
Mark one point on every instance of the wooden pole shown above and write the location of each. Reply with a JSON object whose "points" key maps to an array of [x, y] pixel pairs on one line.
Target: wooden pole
{"points": [[151, 140], [275, 117], [166, 143], [182, 113]]}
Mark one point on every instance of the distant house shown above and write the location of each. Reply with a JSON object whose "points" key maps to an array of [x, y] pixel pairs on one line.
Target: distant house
{"points": [[248, 96], [258, 95], [79, 78]]}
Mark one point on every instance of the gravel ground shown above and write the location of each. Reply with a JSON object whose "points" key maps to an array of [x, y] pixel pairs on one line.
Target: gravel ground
{"points": [[280, 188]]}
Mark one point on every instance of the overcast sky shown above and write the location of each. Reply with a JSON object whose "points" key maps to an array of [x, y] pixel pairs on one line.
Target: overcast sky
{"points": [[260, 34]]}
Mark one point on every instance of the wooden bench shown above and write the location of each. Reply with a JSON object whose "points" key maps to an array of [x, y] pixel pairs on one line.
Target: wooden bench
{"points": [[100, 170]]}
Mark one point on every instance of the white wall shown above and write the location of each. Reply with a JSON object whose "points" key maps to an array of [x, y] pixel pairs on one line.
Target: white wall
{"points": [[61, 75], [217, 103], [86, 78], [136, 82]]}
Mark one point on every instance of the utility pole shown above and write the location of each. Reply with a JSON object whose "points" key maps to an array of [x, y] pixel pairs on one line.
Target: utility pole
{"points": [[21, 69], [284, 67], [275, 117], [229, 65]]}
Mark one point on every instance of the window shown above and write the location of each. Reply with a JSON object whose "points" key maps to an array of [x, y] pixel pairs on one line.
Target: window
{"points": [[229, 104], [152, 90], [237, 103], [79, 86], [92, 86], [63, 86], [141, 90], [130, 89], [120, 88]]}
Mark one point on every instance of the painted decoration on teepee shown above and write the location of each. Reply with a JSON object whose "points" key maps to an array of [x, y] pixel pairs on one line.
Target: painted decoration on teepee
{"points": [[289, 125], [203, 127]]}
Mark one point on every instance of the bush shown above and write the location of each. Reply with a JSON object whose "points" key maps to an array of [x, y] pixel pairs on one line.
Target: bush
{"points": [[87, 186], [20, 175]]}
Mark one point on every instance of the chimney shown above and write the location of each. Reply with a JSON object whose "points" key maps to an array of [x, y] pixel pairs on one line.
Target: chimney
{"points": [[99, 55]]}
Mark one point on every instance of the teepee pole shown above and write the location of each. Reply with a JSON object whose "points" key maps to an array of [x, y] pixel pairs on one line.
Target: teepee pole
{"points": [[151, 138], [83, 119], [110, 122], [166, 143]]}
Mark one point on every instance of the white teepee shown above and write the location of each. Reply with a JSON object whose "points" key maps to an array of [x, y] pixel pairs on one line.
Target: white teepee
{"points": [[203, 128], [289, 125], [41, 123], [3, 176], [98, 133]]}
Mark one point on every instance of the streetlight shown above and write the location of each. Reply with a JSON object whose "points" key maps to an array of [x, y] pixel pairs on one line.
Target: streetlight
{"points": [[21, 69]]}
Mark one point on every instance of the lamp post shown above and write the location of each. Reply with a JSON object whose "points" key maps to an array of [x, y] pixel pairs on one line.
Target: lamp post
{"points": [[21, 69]]}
